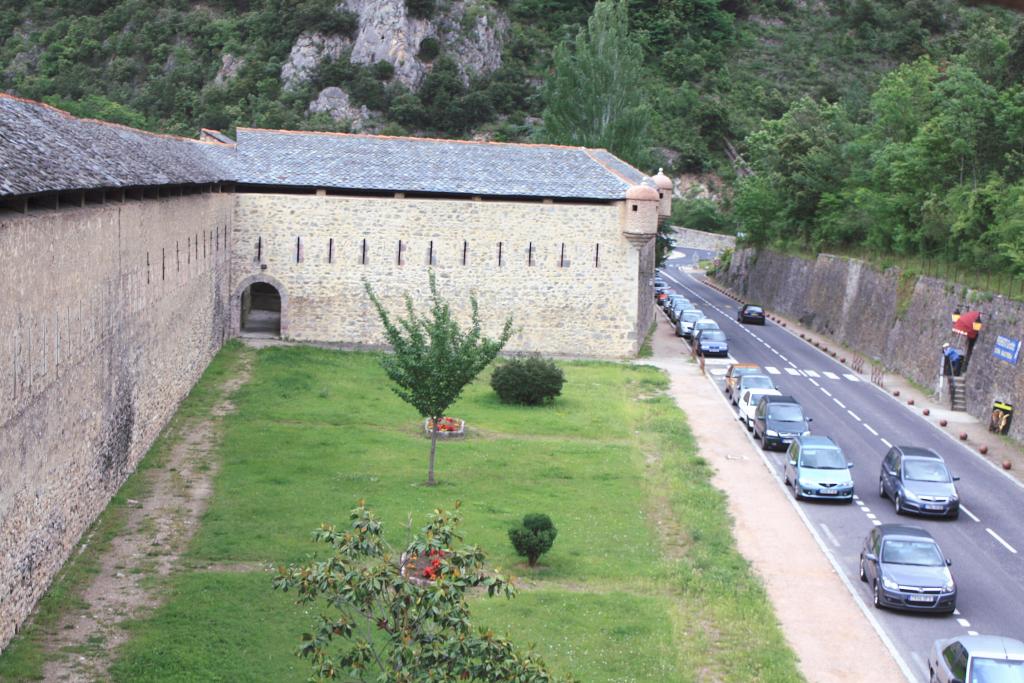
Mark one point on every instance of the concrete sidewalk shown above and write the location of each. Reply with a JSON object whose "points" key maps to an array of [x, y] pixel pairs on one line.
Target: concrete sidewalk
{"points": [[834, 643]]}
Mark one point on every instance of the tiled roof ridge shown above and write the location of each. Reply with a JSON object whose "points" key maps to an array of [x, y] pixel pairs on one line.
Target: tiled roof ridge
{"points": [[414, 138], [213, 132], [111, 124], [612, 170]]}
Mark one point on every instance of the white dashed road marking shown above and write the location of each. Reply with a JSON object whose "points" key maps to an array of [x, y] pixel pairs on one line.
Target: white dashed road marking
{"points": [[972, 633], [772, 370], [854, 415], [887, 444], [870, 429], [839, 403], [826, 392], [809, 373], [851, 377], [830, 375], [963, 622], [792, 371], [1000, 539], [969, 513], [813, 382]]}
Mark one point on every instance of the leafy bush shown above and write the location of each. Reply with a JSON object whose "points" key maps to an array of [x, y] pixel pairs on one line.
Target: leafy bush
{"points": [[420, 9], [528, 381], [533, 537], [383, 70], [429, 49]]}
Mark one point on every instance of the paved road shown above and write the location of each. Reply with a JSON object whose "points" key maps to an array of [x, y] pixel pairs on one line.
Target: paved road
{"points": [[986, 544]]}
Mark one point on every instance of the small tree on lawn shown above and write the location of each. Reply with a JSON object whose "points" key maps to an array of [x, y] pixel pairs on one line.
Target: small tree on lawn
{"points": [[433, 359], [397, 630]]}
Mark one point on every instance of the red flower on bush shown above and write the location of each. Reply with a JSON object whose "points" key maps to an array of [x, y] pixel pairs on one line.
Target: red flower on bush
{"points": [[433, 570]]}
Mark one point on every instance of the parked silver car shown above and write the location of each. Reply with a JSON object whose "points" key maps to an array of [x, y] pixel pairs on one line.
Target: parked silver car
{"points": [[981, 659], [906, 569], [816, 468], [917, 480], [684, 326]]}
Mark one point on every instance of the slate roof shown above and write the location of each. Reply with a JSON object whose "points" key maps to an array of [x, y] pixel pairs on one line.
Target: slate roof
{"points": [[43, 149], [370, 162]]}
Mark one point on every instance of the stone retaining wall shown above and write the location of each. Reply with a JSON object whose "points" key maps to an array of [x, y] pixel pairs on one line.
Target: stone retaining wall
{"points": [[697, 239], [113, 312], [898, 318]]}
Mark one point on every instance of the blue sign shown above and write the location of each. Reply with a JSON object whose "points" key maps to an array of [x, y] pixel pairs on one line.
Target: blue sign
{"points": [[1007, 349]]}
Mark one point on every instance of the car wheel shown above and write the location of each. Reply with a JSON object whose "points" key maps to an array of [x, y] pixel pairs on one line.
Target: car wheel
{"points": [[876, 599], [881, 488], [863, 574], [785, 478], [898, 504], [796, 491]]}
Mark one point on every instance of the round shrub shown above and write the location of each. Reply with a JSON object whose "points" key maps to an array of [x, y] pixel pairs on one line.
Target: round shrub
{"points": [[533, 537], [430, 48], [420, 9], [528, 381]]}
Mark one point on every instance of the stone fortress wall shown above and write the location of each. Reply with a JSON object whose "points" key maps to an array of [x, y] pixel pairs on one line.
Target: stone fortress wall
{"points": [[900, 322], [564, 271], [114, 311]]}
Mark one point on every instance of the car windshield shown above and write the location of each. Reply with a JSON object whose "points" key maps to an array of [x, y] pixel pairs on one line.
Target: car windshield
{"points": [[712, 335], [925, 470], [692, 315], [917, 553], [710, 325], [823, 458], [757, 382], [786, 413], [986, 670]]}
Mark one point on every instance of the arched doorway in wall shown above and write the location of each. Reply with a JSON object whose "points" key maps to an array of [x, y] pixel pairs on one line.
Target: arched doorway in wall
{"points": [[260, 310]]}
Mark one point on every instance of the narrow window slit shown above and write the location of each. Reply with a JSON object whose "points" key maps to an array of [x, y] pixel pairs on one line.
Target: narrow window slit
{"points": [[330, 250], [465, 251], [597, 255], [529, 255], [499, 253]]}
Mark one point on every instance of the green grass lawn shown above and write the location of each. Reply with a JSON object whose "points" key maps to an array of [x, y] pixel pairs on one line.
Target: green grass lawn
{"points": [[614, 600]]}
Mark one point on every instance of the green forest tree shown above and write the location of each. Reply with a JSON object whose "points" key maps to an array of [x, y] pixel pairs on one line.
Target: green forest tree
{"points": [[432, 358], [596, 95]]}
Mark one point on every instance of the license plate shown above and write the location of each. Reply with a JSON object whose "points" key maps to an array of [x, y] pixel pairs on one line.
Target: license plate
{"points": [[828, 492], [934, 507], [921, 598]]}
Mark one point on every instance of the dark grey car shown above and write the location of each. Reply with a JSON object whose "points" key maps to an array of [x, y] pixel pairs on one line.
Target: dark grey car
{"points": [[906, 569], [981, 659], [778, 420], [917, 480]]}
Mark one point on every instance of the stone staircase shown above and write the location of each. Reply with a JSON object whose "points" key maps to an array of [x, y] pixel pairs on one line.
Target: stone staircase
{"points": [[957, 393]]}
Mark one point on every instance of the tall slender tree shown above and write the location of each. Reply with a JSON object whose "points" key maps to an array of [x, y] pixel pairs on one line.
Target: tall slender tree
{"points": [[432, 358], [596, 96]]}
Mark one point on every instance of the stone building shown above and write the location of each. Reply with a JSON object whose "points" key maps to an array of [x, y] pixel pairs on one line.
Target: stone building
{"points": [[128, 258]]}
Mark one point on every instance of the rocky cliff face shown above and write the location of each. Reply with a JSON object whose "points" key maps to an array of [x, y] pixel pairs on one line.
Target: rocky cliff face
{"points": [[470, 32], [902, 320]]}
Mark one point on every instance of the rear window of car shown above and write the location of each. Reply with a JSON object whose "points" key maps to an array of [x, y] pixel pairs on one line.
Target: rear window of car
{"points": [[755, 309]]}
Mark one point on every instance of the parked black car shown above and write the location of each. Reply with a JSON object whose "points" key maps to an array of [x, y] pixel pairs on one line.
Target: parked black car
{"points": [[751, 314], [778, 420], [918, 480], [906, 570]]}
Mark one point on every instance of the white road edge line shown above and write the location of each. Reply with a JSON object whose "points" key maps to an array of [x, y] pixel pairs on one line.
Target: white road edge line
{"points": [[901, 663], [829, 534], [920, 663], [1000, 539], [969, 513]]}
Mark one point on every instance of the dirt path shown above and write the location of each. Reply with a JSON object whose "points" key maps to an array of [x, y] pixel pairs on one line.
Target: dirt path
{"points": [[837, 644], [157, 531]]}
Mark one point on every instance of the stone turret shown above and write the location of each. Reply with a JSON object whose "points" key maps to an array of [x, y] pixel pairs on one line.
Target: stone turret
{"points": [[641, 221], [664, 184]]}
